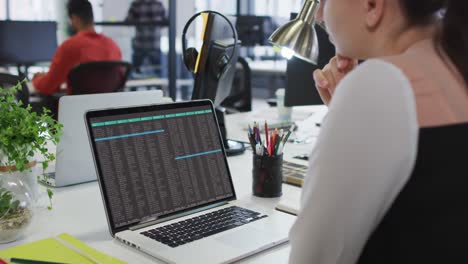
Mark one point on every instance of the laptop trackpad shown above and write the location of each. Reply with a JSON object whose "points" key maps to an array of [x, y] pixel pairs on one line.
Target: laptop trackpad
{"points": [[247, 238]]}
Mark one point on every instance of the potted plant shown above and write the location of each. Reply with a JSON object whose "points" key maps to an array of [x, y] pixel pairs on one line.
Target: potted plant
{"points": [[23, 135]]}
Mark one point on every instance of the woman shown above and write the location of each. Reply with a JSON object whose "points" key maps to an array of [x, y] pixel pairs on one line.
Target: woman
{"points": [[387, 181]]}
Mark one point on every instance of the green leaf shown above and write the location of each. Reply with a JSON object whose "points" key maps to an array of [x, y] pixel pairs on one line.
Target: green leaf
{"points": [[22, 134], [14, 205]]}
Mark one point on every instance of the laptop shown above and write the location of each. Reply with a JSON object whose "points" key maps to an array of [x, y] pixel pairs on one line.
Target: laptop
{"points": [[74, 162], [167, 189]]}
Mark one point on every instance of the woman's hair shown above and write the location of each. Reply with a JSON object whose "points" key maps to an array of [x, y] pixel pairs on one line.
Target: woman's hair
{"points": [[453, 36]]}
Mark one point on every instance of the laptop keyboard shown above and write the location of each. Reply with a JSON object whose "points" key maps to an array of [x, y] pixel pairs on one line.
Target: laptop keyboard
{"points": [[195, 228]]}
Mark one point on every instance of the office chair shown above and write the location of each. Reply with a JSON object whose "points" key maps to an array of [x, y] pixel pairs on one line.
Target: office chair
{"points": [[99, 77], [240, 99], [9, 80]]}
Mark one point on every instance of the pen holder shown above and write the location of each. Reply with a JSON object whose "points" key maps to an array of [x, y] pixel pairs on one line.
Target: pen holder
{"points": [[267, 175]]}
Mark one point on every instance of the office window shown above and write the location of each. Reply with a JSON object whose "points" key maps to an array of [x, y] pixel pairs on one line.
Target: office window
{"points": [[276, 8], [32, 10], [225, 7], [41, 9], [3, 10]]}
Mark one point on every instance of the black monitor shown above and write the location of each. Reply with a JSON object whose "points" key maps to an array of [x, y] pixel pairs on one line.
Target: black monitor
{"points": [[254, 30], [300, 84], [207, 84], [27, 42], [218, 41]]}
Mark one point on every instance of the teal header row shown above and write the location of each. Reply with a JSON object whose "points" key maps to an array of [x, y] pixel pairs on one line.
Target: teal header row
{"points": [[149, 118]]}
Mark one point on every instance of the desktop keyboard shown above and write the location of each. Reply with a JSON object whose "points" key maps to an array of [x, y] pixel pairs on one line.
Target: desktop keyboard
{"points": [[195, 228]]}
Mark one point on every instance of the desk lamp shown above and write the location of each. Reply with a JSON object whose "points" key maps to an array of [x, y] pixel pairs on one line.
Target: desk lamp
{"points": [[298, 37]]}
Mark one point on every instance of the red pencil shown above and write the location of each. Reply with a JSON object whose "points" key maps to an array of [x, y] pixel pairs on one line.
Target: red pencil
{"points": [[266, 133]]}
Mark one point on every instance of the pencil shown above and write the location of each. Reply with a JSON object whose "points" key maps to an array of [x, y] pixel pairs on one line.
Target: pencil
{"points": [[266, 133], [32, 261]]}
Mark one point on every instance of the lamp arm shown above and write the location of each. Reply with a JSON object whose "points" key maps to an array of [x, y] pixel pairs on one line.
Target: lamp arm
{"points": [[309, 10]]}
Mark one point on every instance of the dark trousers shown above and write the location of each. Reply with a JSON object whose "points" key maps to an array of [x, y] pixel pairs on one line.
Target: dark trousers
{"points": [[139, 56]]}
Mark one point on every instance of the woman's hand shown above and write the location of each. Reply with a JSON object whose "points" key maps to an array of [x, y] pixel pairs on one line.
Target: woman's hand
{"points": [[328, 78]]}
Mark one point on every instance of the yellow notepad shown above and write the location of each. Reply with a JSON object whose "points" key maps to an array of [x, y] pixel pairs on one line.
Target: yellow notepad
{"points": [[52, 250]]}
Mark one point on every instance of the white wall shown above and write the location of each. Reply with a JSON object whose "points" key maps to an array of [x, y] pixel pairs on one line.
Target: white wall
{"points": [[116, 10]]}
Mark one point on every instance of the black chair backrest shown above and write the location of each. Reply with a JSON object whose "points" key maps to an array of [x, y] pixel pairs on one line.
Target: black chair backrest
{"points": [[240, 99], [99, 77], [9, 80]]}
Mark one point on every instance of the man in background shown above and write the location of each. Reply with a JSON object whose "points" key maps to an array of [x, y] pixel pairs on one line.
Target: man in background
{"points": [[146, 44], [86, 46]]}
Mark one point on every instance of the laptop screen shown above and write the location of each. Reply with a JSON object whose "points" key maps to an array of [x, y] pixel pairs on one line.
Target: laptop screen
{"points": [[158, 160]]}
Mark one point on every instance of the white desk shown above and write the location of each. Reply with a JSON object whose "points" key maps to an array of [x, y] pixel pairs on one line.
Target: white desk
{"points": [[305, 117], [78, 210], [268, 67], [164, 82], [157, 82]]}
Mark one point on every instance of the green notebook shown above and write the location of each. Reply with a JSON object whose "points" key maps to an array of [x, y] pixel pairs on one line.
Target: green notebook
{"points": [[51, 249]]}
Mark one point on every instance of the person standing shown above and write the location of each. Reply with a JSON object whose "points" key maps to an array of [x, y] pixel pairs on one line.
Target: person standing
{"points": [[146, 43]]}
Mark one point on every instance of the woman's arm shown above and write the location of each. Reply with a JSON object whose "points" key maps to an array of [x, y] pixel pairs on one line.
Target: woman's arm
{"points": [[363, 157]]}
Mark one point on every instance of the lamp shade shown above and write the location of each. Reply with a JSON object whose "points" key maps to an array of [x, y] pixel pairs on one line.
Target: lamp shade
{"points": [[298, 37]]}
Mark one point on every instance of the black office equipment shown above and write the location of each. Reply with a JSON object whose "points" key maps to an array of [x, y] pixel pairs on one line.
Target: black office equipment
{"points": [[99, 77], [254, 30], [300, 84], [27, 42], [214, 77], [214, 67], [240, 98]]}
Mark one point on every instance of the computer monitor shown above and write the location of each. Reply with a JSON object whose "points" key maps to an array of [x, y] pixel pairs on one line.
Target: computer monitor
{"points": [[300, 84], [218, 41], [27, 42], [254, 30], [207, 84]]}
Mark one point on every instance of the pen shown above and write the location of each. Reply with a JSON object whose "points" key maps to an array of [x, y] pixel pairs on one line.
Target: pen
{"points": [[289, 133], [266, 133], [280, 148], [274, 141], [277, 143], [255, 131], [259, 150], [252, 143], [31, 261], [259, 136]]}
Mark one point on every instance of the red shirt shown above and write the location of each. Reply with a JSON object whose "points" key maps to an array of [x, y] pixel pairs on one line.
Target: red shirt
{"points": [[85, 46]]}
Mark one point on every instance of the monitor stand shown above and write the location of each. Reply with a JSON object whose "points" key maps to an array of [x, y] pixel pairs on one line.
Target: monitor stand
{"points": [[232, 147]]}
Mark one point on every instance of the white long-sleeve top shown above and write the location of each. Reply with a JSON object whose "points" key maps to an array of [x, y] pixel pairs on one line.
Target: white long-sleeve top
{"points": [[363, 157]]}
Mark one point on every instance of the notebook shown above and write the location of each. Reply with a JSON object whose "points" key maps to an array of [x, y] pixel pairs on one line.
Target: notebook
{"points": [[293, 173], [74, 163], [167, 187], [290, 203], [51, 250]]}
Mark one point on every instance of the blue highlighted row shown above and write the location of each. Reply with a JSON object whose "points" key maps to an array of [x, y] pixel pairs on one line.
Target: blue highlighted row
{"points": [[198, 154], [130, 135]]}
